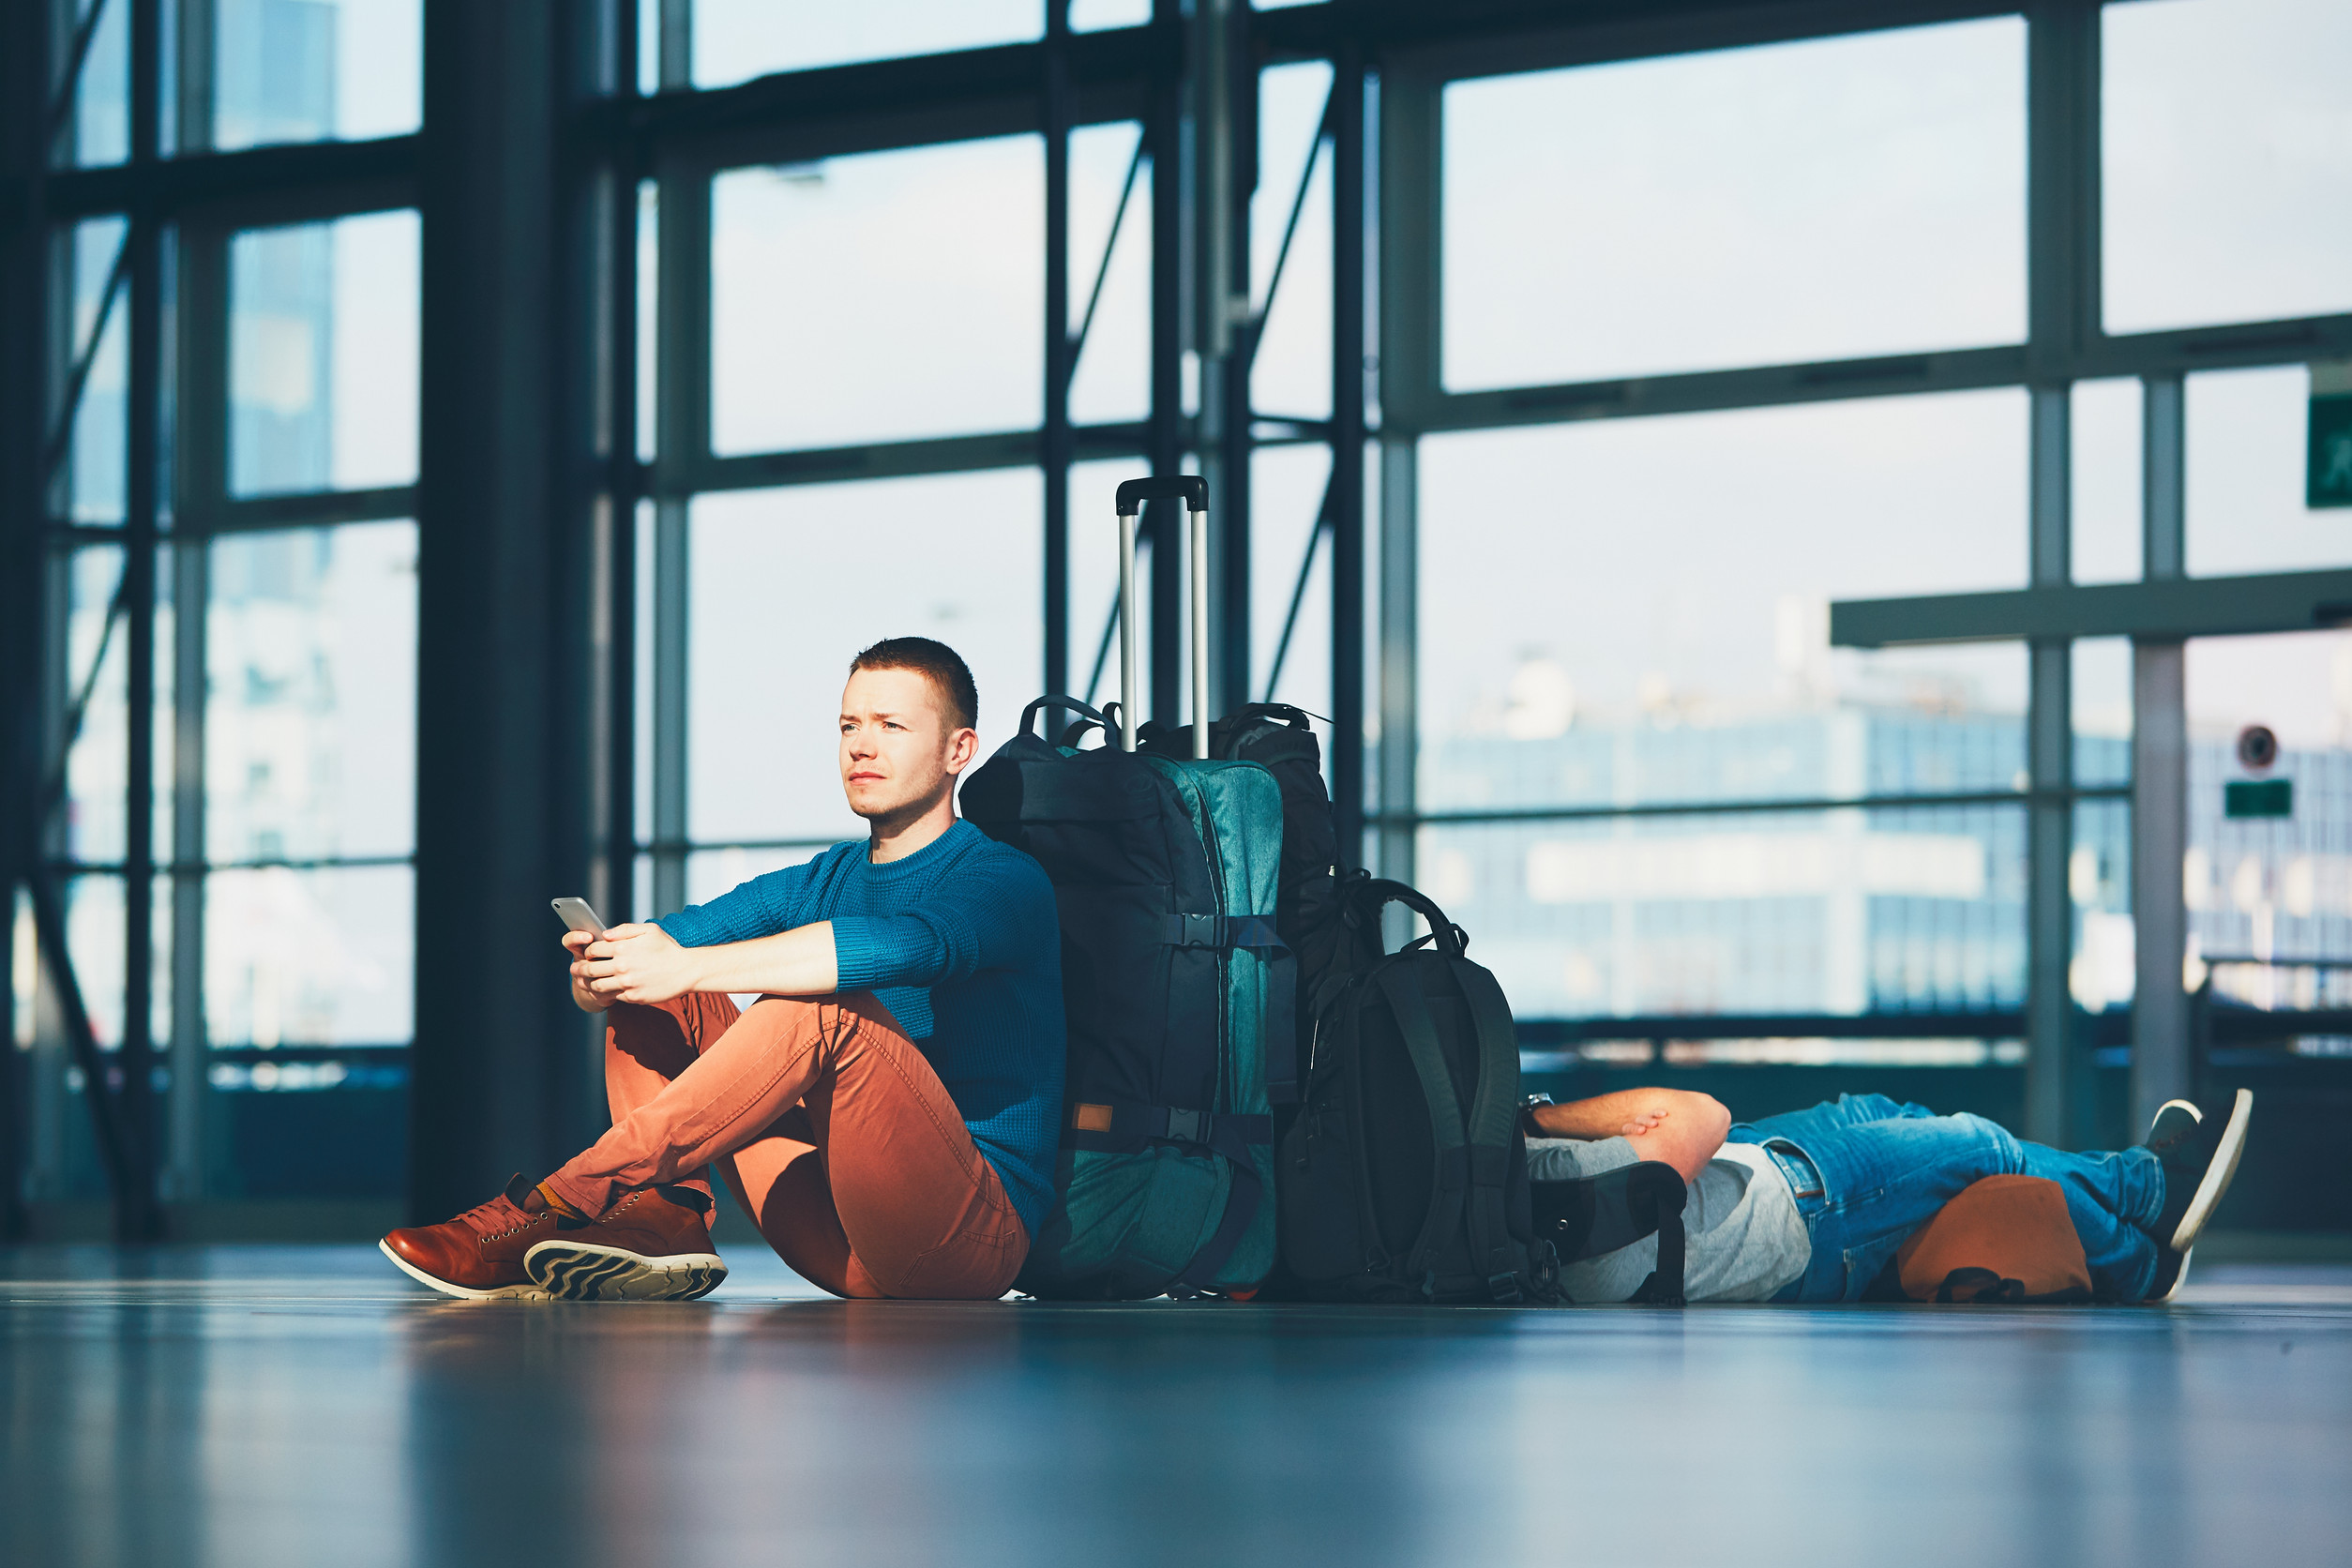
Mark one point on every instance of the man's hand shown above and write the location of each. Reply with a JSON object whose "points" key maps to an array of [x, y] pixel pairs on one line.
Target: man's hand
{"points": [[628, 963], [576, 943]]}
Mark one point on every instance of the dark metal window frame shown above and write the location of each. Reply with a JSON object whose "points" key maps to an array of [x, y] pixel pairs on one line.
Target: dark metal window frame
{"points": [[1404, 52]]}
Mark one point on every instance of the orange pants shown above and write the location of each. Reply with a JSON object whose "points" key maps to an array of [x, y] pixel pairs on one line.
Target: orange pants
{"points": [[831, 1129]]}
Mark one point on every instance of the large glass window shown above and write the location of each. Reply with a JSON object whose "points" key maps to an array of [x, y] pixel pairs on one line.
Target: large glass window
{"points": [[1635, 610], [787, 585], [96, 662], [1111, 274], [1631, 614], [313, 70], [95, 925], [323, 344], [97, 129], [2229, 153], [97, 374], [1290, 609], [309, 817], [1809, 201], [2247, 447], [310, 722], [309, 957], [877, 298], [1758, 912], [2108, 520], [2266, 891], [1292, 372]]}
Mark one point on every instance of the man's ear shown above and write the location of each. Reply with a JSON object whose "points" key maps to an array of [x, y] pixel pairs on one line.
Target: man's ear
{"points": [[962, 746]]}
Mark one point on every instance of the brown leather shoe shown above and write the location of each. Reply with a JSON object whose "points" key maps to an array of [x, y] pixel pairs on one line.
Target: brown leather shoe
{"points": [[478, 1255], [651, 1246]]}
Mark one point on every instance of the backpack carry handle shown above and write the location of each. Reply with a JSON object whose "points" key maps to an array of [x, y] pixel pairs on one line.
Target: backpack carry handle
{"points": [[1367, 897], [1029, 715], [1193, 491]]}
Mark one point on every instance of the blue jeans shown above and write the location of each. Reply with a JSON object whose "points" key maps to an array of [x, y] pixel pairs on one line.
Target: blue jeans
{"points": [[1868, 1172]]}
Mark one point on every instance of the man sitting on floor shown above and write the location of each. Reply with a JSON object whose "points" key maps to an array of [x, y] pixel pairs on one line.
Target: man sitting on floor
{"points": [[1809, 1206], [886, 1111]]}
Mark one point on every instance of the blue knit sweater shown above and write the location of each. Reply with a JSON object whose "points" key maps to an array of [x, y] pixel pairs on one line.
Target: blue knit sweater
{"points": [[961, 942]]}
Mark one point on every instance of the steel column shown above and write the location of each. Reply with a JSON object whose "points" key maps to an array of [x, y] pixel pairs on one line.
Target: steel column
{"points": [[682, 442], [669, 697], [1347, 444], [25, 285], [1058, 444], [199, 445], [2062, 312], [136, 1216], [1400, 653], [182, 1176], [2161, 1064], [590, 584], [1224, 82], [2062, 185], [502, 739], [1408, 259], [1163, 521], [612, 882], [2054, 1079]]}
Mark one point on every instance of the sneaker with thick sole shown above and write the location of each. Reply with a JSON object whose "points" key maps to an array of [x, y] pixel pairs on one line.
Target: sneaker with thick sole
{"points": [[2199, 1160], [2172, 1273], [654, 1245], [479, 1255]]}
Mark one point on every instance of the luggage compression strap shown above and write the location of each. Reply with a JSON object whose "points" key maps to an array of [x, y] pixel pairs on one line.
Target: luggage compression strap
{"points": [[1279, 1046], [1494, 1121], [1240, 1207], [1116, 1127]]}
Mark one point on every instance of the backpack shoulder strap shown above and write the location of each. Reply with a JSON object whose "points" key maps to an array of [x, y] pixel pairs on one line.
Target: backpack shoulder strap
{"points": [[1493, 1124], [1407, 1003]]}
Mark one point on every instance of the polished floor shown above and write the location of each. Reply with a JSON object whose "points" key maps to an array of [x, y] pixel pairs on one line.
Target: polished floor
{"points": [[264, 1406]]}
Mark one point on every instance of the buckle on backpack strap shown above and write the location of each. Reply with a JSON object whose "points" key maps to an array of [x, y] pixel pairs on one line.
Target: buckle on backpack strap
{"points": [[1188, 1126], [1503, 1287], [1194, 930]]}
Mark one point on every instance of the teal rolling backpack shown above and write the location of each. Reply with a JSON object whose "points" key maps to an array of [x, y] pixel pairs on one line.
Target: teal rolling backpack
{"points": [[1177, 988]]}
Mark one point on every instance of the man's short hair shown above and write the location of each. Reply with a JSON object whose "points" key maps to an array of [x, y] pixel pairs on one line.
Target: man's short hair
{"points": [[945, 668]]}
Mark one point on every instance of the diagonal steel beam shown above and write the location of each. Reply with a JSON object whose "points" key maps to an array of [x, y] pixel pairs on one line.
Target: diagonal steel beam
{"points": [[78, 379], [1291, 225], [1298, 591]]}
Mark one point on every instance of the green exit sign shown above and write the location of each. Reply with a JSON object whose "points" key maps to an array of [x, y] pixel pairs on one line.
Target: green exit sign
{"points": [[2328, 465], [2258, 797]]}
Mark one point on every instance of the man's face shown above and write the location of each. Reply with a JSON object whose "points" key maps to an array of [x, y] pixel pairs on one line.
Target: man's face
{"points": [[898, 747]]}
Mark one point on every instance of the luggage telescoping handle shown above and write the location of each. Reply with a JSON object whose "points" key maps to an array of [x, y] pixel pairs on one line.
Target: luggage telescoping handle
{"points": [[1194, 491]]}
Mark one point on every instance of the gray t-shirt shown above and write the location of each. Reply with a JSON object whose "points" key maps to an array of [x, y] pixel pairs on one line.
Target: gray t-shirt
{"points": [[1744, 1237]]}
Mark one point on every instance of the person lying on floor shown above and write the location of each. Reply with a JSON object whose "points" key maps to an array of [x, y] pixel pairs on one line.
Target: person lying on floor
{"points": [[886, 1111], [1809, 1206]]}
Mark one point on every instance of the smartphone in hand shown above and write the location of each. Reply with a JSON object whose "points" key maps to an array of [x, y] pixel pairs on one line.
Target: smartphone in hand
{"points": [[576, 914]]}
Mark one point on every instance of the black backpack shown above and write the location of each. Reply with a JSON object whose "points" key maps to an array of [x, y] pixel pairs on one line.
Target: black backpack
{"points": [[1403, 1177]]}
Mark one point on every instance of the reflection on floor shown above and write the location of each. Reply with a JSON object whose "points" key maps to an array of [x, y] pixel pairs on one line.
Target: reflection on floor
{"points": [[261, 1406]]}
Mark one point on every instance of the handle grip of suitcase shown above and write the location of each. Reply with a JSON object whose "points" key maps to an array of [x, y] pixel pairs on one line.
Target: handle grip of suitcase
{"points": [[1191, 488]]}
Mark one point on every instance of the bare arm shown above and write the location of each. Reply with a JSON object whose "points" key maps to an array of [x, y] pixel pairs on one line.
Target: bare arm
{"points": [[1673, 1126], [643, 963]]}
